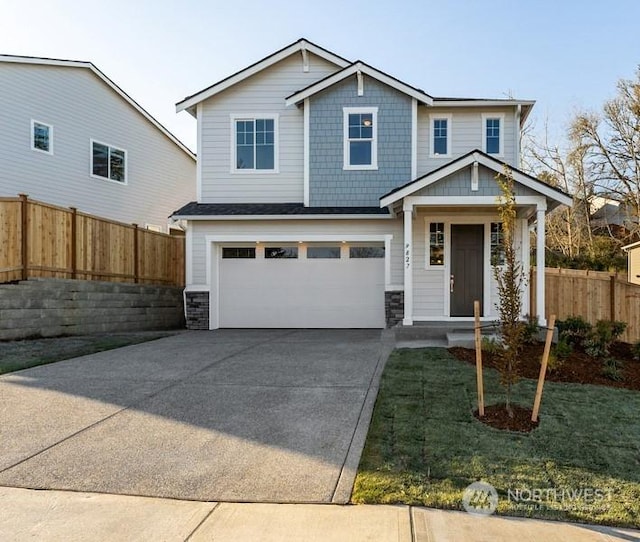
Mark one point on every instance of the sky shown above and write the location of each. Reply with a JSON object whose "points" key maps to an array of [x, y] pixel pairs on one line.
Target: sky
{"points": [[565, 54]]}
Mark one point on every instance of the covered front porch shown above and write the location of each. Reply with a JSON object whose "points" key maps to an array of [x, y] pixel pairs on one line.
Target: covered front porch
{"points": [[453, 236]]}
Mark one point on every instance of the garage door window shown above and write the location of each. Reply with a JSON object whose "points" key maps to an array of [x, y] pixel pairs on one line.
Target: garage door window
{"points": [[323, 252], [366, 252], [277, 253], [238, 252]]}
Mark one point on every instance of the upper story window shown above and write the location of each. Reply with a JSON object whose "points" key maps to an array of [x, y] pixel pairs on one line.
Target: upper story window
{"points": [[41, 137], [108, 162], [493, 138], [360, 138], [440, 136], [255, 144]]}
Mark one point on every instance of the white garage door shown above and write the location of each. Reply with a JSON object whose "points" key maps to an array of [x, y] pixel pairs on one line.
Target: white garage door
{"points": [[292, 286]]}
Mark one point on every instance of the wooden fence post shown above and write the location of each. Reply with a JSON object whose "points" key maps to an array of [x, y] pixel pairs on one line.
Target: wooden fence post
{"points": [[74, 242], [24, 232], [612, 297], [543, 368], [478, 342], [135, 253]]}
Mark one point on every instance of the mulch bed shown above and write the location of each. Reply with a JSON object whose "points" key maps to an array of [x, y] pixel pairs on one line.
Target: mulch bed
{"points": [[578, 368], [498, 417]]}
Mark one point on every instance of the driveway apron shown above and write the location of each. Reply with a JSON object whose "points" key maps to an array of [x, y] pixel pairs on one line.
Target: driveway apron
{"points": [[229, 415]]}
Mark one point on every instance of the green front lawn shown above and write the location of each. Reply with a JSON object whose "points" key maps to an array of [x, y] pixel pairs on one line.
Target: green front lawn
{"points": [[424, 446]]}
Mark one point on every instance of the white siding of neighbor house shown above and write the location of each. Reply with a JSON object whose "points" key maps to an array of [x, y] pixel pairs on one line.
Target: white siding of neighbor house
{"points": [[260, 228], [467, 132], [265, 93], [430, 285], [634, 265], [81, 107]]}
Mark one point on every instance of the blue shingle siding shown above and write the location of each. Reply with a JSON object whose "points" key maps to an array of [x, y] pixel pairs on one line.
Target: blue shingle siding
{"points": [[459, 184], [329, 184]]}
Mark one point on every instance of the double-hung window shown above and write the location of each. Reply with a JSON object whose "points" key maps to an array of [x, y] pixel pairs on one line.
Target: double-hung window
{"points": [[440, 136], [493, 134], [254, 143], [108, 162], [41, 137], [360, 137]]}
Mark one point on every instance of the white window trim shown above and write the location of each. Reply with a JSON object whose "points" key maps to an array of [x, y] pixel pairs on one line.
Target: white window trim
{"points": [[485, 118], [33, 147], [346, 111], [276, 143], [432, 119], [126, 163], [427, 249]]}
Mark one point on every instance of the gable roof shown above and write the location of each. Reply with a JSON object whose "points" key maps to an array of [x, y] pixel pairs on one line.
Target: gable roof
{"points": [[89, 66], [302, 44], [550, 192], [355, 68]]}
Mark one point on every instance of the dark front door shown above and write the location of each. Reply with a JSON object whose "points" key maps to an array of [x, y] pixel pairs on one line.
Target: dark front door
{"points": [[467, 268]]}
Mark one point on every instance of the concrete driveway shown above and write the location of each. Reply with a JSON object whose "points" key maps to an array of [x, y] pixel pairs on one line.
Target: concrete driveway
{"points": [[234, 415]]}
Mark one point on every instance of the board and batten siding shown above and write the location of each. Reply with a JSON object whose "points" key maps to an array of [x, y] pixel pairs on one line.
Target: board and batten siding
{"points": [[80, 107], [297, 229], [467, 132], [263, 93], [329, 183]]}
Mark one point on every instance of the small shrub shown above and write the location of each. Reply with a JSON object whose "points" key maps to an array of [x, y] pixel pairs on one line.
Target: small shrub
{"points": [[602, 336], [555, 361], [612, 369], [531, 329], [490, 345], [563, 348], [574, 329], [635, 350]]}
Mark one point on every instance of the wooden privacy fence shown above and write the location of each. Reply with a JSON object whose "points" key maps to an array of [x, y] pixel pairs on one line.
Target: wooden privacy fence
{"points": [[594, 295], [42, 240]]}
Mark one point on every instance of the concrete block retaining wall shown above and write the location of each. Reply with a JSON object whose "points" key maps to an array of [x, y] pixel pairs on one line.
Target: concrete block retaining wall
{"points": [[54, 307]]}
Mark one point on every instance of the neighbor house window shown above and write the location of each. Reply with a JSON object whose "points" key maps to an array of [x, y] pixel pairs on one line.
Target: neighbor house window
{"points": [[272, 253], [366, 252], [255, 144], [41, 137], [238, 252], [436, 244], [360, 138], [108, 162], [497, 246], [441, 135], [493, 126], [323, 252]]}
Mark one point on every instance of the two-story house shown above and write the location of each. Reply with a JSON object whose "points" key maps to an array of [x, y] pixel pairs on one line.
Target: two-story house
{"points": [[71, 137], [331, 194]]}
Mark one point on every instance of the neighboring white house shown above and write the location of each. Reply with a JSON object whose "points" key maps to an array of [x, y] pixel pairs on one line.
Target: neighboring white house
{"points": [[331, 194], [70, 136], [633, 262]]}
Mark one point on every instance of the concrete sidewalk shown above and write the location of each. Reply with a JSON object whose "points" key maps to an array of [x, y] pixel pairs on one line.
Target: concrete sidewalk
{"points": [[56, 515]]}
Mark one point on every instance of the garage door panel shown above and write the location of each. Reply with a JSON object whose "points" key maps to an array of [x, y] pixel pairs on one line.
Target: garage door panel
{"points": [[315, 293]]}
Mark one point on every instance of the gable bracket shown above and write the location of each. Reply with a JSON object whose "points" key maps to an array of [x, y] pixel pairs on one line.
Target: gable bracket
{"points": [[474, 177], [305, 59], [360, 83]]}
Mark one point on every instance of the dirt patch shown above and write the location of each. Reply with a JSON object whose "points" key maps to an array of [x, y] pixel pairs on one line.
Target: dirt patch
{"points": [[497, 416], [578, 367]]}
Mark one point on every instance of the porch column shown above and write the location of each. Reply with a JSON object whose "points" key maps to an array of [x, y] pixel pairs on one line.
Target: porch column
{"points": [[540, 266], [408, 267]]}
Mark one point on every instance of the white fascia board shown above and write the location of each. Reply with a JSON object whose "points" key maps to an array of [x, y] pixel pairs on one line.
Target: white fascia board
{"points": [[631, 246], [105, 79], [468, 201], [352, 70], [294, 237], [482, 103], [281, 217], [191, 101]]}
